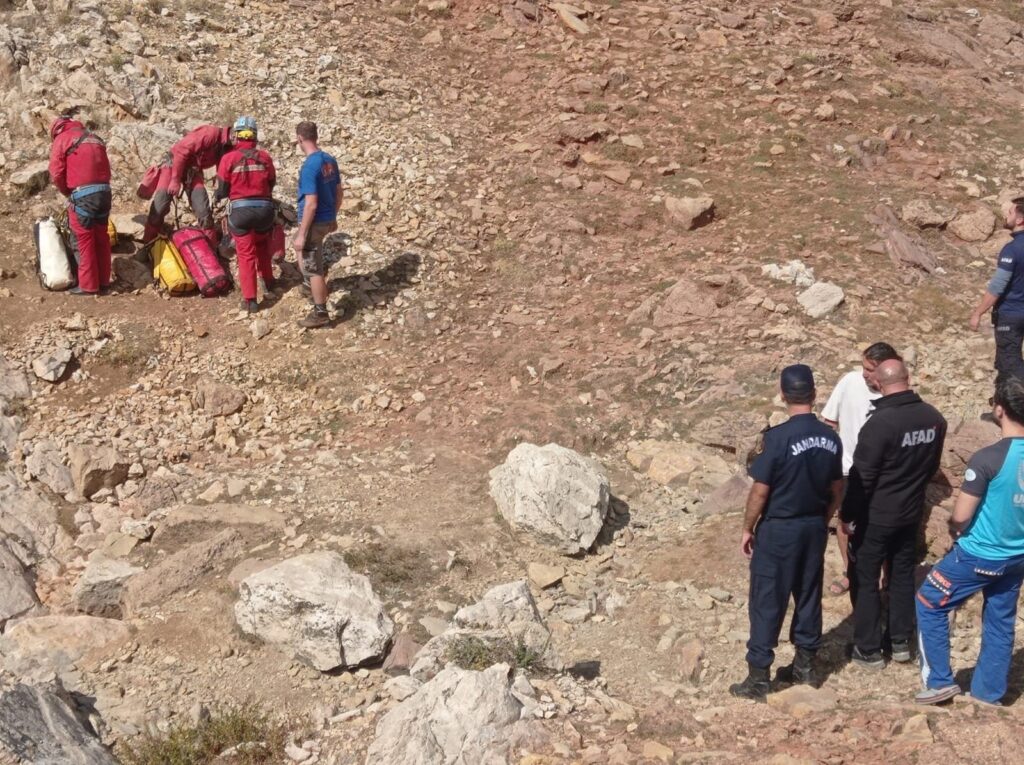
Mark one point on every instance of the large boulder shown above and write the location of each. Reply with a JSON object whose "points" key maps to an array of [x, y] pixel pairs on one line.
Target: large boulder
{"points": [[974, 225], [96, 467], [17, 596], [554, 494], [31, 178], [45, 645], [459, 717], [677, 463], [99, 588], [505, 618], [691, 212], [180, 571], [52, 366], [31, 528], [139, 145], [316, 608], [38, 724], [218, 399], [821, 299], [46, 466], [13, 383]]}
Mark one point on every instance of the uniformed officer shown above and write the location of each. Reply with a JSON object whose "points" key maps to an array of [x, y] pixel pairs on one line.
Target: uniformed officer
{"points": [[798, 484]]}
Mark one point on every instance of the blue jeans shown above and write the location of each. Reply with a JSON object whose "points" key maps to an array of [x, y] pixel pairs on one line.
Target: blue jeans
{"points": [[950, 583]]}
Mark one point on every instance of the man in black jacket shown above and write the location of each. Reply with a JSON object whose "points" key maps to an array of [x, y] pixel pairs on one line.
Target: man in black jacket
{"points": [[898, 452]]}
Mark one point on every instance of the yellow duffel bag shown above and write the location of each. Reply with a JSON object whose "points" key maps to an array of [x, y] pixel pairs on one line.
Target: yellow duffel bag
{"points": [[111, 231], [169, 269]]}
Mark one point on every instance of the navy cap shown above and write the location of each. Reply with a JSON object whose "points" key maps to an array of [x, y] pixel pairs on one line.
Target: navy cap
{"points": [[796, 380]]}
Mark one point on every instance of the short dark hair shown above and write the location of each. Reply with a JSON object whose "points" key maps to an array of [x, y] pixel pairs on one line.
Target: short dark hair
{"points": [[803, 397], [306, 131], [1010, 396], [879, 352], [1018, 205]]}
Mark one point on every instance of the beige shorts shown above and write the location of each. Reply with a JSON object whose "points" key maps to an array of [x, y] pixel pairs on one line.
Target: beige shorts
{"points": [[312, 261]]}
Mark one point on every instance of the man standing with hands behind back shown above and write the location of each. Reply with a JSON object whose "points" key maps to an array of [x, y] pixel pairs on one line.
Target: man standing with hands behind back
{"points": [[318, 205], [798, 484], [898, 452], [847, 410]]}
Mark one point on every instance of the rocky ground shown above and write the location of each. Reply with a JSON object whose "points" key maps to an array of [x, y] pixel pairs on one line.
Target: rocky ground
{"points": [[605, 226]]}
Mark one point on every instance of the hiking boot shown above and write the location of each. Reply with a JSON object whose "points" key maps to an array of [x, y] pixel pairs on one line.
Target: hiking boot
{"points": [[937, 695], [315, 319], [867, 660], [756, 686], [901, 651], [76, 290], [801, 671], [249, 306]]}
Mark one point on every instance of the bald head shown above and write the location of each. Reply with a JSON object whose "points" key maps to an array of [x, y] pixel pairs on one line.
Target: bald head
{"points": [[892, 376]]}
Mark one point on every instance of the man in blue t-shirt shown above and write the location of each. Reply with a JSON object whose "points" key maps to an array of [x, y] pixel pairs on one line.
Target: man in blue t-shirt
{"points": [[988, 556], [798, 483], [1005, 296], [319, 200]]}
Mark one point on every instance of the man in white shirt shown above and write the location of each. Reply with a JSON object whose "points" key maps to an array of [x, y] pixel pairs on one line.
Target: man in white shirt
{"points": [[847, 410]]}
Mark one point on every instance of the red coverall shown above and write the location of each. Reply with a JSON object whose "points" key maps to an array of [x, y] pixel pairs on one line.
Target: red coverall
{"points": [[246, 176], [72, 168], [196, 151]]}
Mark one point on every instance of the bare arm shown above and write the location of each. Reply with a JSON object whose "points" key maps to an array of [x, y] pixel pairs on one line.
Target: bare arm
{"points": [[963, 513], [756, 501], [308, 213], [836, 500], [988, 300], [834, 424]]}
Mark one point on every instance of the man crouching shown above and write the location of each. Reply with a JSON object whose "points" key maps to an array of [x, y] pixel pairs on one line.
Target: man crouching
{"points": [[798, 482]]}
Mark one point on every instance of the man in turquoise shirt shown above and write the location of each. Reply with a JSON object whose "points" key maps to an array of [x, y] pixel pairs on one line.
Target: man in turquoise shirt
{"points": [[318, 204], [988, 556]]}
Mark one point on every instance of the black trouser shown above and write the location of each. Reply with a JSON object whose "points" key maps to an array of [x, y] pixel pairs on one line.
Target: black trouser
{"points": [[870, 547], [788, 562], [1009, 332], [260, 219]]}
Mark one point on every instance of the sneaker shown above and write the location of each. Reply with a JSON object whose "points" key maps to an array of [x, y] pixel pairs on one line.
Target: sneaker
{"points": [[901, 651], [78, 291], [982, 702], [937, 695], [249, 306], [869, 660], [315, 319]]}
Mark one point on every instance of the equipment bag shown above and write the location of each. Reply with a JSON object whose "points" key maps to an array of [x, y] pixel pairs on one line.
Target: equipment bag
{"points": [[200, 256], [168, 267], [56, 271]]}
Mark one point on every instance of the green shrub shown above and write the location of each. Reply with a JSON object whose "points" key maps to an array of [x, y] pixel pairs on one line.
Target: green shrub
{"points": [[263, 741]]}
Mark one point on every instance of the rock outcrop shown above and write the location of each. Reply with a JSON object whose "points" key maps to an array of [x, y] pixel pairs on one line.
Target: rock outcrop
{"points": [[316, 608], [554, 494], [457, 718]]}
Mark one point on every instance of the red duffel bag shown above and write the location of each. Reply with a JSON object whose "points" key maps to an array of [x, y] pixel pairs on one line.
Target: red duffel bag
{"points": [[200, 256]]}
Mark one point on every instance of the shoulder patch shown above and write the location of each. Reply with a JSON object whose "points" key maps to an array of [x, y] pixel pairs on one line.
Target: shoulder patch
{"points": [[970, 475]]}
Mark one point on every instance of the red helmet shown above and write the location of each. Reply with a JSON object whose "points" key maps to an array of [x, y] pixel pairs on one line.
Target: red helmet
{"points": [[58, 125]]}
